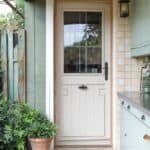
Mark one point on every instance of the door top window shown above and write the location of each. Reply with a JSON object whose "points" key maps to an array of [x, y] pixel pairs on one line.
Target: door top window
{"points": [[82, 42]]}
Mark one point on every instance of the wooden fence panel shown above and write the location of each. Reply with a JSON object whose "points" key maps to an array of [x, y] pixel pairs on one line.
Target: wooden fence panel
{"points": [[10, 60], [13, 60], [22, 65], [4, 48]]}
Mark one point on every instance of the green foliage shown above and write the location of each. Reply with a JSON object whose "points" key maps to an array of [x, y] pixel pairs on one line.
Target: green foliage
{"points": [[18, 121], [41, 127], [3, 21], [13, 20], [20, 4], [12, 132]]}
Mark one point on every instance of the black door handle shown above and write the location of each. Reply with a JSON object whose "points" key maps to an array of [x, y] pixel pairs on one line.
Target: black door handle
{"points": [[83, 87], [106, 71]]}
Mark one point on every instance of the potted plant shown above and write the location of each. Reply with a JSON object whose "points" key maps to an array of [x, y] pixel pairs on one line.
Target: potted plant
{"points": [[41, 132], [19, 122]]}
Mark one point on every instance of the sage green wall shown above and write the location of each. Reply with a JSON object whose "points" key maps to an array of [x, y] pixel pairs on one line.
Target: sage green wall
{"points": [[140, 27], [35, 27]]}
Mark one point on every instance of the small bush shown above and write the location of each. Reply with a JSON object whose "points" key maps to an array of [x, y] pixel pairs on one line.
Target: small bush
{"points": [[18, 121]]}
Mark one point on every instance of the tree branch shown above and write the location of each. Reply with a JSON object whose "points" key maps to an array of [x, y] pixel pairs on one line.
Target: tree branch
{"points": [[14, 8]]}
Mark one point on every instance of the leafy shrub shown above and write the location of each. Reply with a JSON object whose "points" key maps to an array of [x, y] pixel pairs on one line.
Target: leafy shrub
{"points": [[41, 128], [12, 130], [18, 121]]}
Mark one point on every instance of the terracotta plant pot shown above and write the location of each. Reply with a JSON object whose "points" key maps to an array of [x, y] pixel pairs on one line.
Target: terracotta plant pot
{"points": [[40, 143]]}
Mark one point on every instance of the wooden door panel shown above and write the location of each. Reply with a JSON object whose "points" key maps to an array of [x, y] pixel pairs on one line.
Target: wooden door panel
{"points": [[77, 105]]}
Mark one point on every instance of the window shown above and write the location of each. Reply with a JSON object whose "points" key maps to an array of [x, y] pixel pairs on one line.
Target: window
{"points": [[82, 42]]}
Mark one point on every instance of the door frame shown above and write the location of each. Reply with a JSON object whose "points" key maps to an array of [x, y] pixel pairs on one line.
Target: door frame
{"points": [[50, 80]]}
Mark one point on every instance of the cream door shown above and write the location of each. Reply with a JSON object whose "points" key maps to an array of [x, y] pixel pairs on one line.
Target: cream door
{"points": [[83, 72]]}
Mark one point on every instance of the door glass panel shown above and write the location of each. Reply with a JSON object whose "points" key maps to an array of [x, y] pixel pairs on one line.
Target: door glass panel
{"points": [[82, 60], [82, 42], [73, 62], [93, 61]]}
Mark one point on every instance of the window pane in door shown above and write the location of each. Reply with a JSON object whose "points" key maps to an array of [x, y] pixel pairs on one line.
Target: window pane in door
{"points": [[93, 61], [82, 60], [71, 59], [93, 29], [82, 42]]}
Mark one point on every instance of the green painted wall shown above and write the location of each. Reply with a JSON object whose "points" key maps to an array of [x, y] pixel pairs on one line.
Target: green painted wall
{"points": [[140, 27], [35, 27]]}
